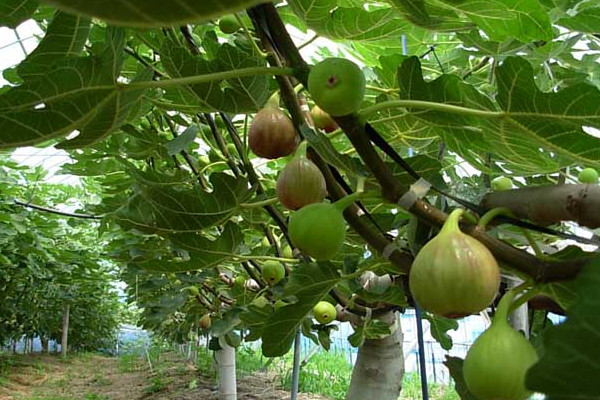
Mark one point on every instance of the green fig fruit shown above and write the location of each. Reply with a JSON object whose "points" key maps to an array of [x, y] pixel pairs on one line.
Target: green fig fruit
{"points": [[502, 183], [319, 229], [194, 291], [301, 182], [337, 86], [454, 275], [229, 24], [287, 252], [588, 175], [324, 312], [497, 362], [272, 272]]}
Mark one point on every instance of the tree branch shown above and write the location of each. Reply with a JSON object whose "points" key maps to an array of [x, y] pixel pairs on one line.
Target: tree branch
{"points": [[57, 212]]}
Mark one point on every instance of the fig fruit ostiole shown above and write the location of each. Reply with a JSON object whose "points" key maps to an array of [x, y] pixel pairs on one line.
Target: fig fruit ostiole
{"points": [[454, 275], [319, 229], [496, 364], [324, 312], [301, 182], [272, 133]]}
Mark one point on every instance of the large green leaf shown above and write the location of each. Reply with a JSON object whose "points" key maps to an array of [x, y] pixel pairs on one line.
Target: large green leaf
{"points": [[65, 37], [430, 16], [329, 19], [552, 121], [72, 93], [570, 365], [153, 13], [309, 283], [586, 20], [233, 96], [13, 12], [525, 21], [159, 206]]}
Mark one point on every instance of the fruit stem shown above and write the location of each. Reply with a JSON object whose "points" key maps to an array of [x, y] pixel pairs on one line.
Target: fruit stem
{"points": [[301, 150], [504, 308], [344, 202], [493, 213], [451, 223], [273, 101]]}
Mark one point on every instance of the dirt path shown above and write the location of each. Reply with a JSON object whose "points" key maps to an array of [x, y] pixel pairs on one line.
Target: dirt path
{"points": [[92, 377]]}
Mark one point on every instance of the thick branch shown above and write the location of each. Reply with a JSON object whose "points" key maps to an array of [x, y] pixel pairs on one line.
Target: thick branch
{"points": [[550, 204]]}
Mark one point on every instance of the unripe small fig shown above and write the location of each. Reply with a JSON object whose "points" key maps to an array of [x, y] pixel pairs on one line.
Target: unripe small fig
{"points": [[287, 252], [322, 120], [497, 362], [324, 312], [272, 133], [272, 272], [319, 229], [588, 175], [502, 183], [229, 24], [337, 86], [301, 182], [194, 291], [454, 275], [265, 241], [205, 322]]}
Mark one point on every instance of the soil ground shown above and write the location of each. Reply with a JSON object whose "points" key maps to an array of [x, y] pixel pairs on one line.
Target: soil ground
{"points": [[93, 377]]}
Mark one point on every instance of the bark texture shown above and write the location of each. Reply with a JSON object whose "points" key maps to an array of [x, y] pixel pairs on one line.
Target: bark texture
{"points": [[227, 378], [379, 366], [547, 205]]}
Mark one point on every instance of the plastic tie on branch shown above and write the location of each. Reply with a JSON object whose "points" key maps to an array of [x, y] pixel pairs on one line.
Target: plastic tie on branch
{"points": [[417, 191], [392, 247]]}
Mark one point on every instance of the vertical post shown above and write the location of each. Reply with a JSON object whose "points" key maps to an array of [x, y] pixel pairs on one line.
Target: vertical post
{"points": [[296, 368], [227, 379], [65, 330], [422, 361]]}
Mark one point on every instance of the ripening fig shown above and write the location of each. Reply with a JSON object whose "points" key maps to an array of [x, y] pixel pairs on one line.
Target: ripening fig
{"points": [[229, 24], [337, 86], [319, 229], [496, 364], [454, 275], [502, 183], [300, 183], [322, 120], [272, 133], [205, 322], [272, 272], [324, 312], [588, 175]]}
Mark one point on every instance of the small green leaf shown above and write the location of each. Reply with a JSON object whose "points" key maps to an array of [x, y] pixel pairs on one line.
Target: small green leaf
{"points": [[182, 141], [439, 328]]}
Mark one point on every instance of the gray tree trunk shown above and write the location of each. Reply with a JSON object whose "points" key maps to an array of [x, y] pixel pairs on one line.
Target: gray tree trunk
{"points": [[379, 366], [65, 331], [44, 342]]}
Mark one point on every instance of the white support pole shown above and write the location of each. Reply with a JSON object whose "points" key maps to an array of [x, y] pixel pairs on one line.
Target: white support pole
{"points": [[227, 379]]}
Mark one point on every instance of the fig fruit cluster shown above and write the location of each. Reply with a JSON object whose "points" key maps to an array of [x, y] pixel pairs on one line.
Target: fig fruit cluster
{"points": [[454, 275], [496, 364]]}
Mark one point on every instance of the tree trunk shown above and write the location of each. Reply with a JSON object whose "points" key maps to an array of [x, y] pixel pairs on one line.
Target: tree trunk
{"points": [[227, 380], [379, 366], [44, 342], [14, 346], [65, 330]]}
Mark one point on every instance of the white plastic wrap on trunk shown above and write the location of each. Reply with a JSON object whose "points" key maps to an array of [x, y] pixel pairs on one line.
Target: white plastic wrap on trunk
{"points": [[227, 380]]}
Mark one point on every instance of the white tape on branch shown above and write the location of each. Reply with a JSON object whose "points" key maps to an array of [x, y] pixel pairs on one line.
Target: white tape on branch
{"points": [[417, 191]]}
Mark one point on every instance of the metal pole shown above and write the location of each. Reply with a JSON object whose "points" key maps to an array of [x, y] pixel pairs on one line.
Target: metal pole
{"points": [[296, 369], [422, 361]]}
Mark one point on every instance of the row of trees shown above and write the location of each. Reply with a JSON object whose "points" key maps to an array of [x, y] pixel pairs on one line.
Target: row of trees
{"points": [[50, 264]]}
